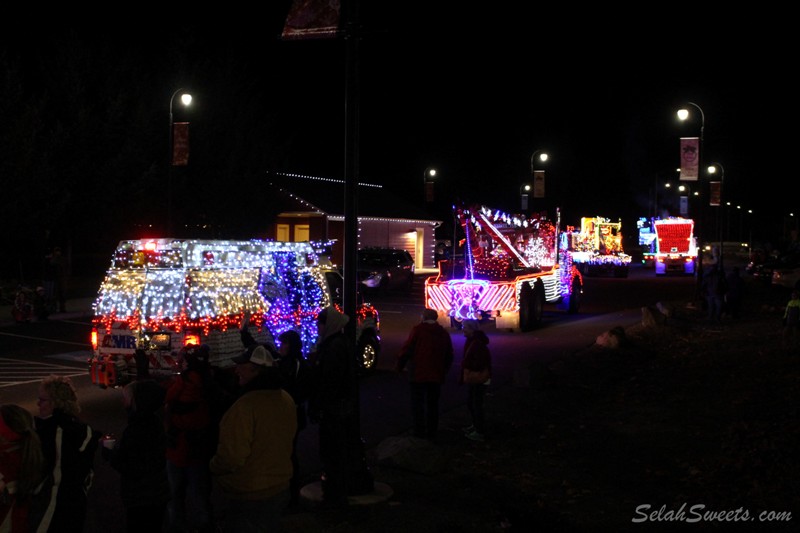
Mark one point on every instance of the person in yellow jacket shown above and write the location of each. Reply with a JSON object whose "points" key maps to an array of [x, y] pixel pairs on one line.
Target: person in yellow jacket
{"points": [[253, 462]]}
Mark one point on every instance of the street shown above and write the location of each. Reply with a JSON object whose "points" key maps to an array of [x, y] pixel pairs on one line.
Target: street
{"points": [[37, 349]]}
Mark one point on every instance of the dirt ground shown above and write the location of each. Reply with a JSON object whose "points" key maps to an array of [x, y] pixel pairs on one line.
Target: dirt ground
{"points": [[688, 426]]}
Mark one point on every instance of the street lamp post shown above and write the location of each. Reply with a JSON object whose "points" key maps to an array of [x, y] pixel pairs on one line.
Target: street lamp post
{"points": [[427, 183], [186, 100], [712, 169], [684, 114]]}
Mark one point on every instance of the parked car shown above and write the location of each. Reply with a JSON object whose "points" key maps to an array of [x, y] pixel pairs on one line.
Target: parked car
{"points": [[787, 277], [385, 269], [764, 271]]}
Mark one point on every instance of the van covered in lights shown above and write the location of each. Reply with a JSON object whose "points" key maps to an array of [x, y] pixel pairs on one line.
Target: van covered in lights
{"points": [[162, 295]]}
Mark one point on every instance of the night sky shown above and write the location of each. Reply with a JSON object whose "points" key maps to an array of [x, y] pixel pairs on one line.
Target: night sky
{"points": [[472, 92]]}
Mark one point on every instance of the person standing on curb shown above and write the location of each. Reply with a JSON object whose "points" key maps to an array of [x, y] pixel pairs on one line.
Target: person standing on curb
{"points": [[21, 467], [428, 353], [69, 446], [334, 406], [298, 383], [253, 462], [476, 371], [791, 319], [191, 441], [140, 457]]}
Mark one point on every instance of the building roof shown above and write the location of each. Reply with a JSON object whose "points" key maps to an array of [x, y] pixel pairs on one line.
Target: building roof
{"points": [[325, 196]]}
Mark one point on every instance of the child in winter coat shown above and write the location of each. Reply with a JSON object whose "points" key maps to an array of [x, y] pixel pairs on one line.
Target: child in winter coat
{"points": [[476, 371]]}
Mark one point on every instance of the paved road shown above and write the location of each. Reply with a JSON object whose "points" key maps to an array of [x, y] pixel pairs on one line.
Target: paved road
{"points": [[384, 395]]}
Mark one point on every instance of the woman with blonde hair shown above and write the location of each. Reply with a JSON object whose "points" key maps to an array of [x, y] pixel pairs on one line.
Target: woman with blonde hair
{"points": [[69, 447], [21, 467]]}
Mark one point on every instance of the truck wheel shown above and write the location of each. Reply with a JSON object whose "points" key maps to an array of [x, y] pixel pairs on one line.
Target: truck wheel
{"points": [[368, 353], [575, 296], [621, 272], [530, 307]]}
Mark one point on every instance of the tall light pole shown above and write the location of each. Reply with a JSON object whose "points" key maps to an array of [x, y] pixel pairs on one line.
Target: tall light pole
{"points": [[427, 183], [684, 114], [186, 100], [713, 169]]}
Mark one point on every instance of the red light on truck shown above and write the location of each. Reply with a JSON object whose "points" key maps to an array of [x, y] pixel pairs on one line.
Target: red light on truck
{"points": [[94, 338], [191, 338], [150, 246]]}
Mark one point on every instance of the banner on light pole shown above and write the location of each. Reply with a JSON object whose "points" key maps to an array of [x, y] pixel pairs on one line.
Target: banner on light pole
{"points": [[538, 183], [690, 158], [180, 144], [684, 206], [715, 198]]}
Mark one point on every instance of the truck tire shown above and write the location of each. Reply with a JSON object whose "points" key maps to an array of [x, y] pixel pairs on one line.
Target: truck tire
{"points": [[531, 306], [368, 349]]}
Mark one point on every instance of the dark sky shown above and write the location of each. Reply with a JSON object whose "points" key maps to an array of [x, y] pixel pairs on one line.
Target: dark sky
{"points": [[475, 92], [472, 91]]}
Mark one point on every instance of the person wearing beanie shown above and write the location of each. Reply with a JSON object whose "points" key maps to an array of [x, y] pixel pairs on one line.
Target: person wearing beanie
{"points": [[333, 405], [428, 354]]}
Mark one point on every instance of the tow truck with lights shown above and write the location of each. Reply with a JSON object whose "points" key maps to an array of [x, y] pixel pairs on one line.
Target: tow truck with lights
{"points": [[510, 267]]}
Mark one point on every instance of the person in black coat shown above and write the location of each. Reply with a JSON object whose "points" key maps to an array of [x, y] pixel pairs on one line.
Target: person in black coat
{"points": [[69, 446], [140, 458], [297, 381]]}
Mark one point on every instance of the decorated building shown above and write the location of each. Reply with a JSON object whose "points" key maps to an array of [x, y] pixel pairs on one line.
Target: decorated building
{"points": [[312, 208]]}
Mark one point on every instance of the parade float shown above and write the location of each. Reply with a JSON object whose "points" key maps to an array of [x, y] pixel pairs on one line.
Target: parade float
{"points": [[162, 295], [508, 268], [597, 248], [675, 246]]}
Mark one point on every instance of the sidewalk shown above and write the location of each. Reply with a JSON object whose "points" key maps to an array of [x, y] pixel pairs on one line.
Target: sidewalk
{"points": [[76, 308]]}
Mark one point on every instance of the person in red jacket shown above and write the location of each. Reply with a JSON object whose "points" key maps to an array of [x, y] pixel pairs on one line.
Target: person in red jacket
{"points": [[21, 468], [428, 353], [191, 442]]}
